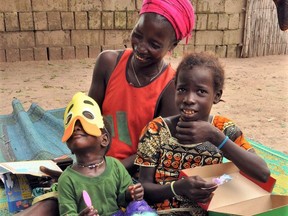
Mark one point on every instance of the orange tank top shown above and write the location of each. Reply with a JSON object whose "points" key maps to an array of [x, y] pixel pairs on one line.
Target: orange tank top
{"points": [[130, 108]]}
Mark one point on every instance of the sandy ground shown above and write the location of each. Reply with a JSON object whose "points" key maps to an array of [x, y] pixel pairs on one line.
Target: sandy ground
{"points": [[255, 94]]}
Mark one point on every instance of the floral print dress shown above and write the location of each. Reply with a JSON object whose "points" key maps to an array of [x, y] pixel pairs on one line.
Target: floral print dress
{"points": [[157, 148]]}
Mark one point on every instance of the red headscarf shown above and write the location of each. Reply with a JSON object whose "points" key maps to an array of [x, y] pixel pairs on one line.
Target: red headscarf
{"points": [[179, 13]]}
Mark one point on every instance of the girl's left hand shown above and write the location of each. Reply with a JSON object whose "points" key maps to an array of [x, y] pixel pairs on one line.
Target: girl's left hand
{"points": [[136, 191]]}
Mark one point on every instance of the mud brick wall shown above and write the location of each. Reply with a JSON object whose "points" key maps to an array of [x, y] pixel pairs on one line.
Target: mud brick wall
{"points": [[68, 29]]}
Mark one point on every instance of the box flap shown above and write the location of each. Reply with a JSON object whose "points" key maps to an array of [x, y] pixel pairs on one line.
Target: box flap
{"points": [[265, 205], [237, 190], [28, 167]]}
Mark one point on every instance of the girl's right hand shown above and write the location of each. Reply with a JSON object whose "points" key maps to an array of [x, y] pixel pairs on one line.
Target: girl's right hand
{"points": [[195, 188], [89, 211]]}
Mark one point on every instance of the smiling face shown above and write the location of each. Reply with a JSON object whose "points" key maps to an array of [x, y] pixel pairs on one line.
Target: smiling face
{"points": [[152, 37], [195, 93]]}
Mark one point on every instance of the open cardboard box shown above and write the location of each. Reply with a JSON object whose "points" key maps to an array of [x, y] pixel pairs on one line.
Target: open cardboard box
{"points": [[240, 196], [17, 187]]}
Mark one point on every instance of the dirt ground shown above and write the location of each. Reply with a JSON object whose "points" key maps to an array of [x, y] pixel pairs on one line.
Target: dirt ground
{"points": [[255, 94]]}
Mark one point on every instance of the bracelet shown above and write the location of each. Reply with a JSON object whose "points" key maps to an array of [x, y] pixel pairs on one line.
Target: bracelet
{"points": [[172, 188], [223, 142]]}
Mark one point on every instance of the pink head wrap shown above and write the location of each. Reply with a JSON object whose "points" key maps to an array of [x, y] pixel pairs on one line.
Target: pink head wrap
{"points": [[179, 13]]}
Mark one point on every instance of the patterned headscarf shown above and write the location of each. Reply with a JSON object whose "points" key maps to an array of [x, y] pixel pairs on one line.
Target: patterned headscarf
{"points": [[179, 13]]}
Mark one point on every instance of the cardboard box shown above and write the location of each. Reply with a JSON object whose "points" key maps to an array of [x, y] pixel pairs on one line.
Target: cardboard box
{"points": [[240, 196], [17, 187]]}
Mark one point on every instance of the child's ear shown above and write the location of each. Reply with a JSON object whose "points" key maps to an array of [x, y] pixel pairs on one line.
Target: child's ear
{"points": [[217, 96], [105, 140]]}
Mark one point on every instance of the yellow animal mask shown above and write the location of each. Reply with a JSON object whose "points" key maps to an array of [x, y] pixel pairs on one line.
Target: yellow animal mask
{"points": [[87, 111]]}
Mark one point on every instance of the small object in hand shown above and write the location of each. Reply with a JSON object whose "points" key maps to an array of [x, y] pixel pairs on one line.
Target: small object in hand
{"points": [[222, 179], [86, 198]]}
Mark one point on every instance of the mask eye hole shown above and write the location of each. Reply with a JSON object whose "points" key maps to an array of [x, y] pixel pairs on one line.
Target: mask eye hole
{"points": [[68, 118], [88, 115]]}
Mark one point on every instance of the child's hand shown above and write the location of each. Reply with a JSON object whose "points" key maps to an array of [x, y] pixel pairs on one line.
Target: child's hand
{"points": [[195, 188], [136, 191], [89, 211], [188, 132]]}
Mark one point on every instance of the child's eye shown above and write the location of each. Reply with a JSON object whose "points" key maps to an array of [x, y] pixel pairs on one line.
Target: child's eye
{"points": [[88, 115]]}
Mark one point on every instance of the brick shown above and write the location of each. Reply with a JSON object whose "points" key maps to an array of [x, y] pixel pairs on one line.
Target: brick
{"points": [[87, 37], [93, 51], [55, 53], [232, 51], [26, 21], [233, 37], [68, 52], [12, 55], [54, 20], [223, 21], [50, 5], [67, 20], [235, 6], [132, 18], [233, 21], [11, 21], [107, 20], [212, 22], [26, 54], [40, 54], [188, 48], [138, 4], [52, 38], [85, 5], [242, 20], [221, 51], [2, 26], [120, 20], [201, 21], [40, 21], [199, 48], [81, 52], [81, 21], [118, 5], [94, 20], [2, 56], [117, 37], [15, 5], [17, 40], [209, 6], [210, 48], [208, 38]]}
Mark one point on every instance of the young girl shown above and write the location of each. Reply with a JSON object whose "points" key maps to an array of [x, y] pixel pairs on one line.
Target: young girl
{"points": [[104, 178], [192, 138], [138, 82]]}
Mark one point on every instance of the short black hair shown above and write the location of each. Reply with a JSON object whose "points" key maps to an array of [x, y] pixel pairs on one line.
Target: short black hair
{"points": [[204, 59]]}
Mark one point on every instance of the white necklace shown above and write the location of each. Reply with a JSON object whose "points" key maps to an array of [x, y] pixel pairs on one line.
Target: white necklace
{"points": [[91, 166], [138, 81]]}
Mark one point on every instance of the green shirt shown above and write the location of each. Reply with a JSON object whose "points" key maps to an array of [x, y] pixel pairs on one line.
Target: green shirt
{"points": [[107, 191]]}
